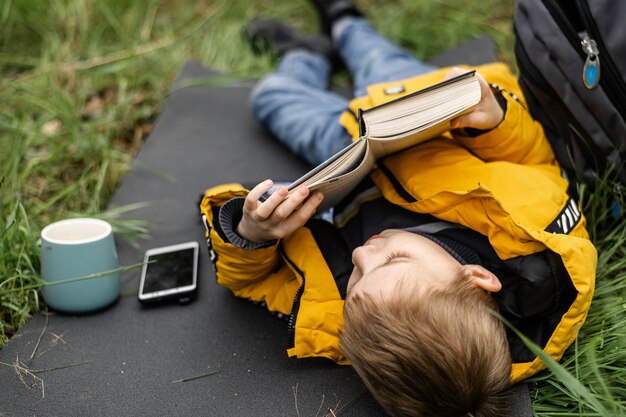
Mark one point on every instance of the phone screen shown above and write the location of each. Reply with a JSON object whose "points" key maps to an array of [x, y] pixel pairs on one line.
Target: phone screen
{"points": [[169, 270]]}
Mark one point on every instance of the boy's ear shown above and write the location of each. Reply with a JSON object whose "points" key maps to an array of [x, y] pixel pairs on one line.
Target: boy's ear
{"points": [[482, 278]]}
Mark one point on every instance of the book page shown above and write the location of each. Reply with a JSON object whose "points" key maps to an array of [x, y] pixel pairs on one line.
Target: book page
{"points": [[341, 162], [335, 188], [419, 116], [392, 122], [384, 146]]}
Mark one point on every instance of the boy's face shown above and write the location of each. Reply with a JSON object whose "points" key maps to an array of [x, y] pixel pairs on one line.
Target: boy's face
{"points": [[396, 255]]}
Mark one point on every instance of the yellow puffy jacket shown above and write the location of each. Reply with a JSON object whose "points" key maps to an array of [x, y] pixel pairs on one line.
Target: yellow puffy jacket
{"points": [[505, 184]]}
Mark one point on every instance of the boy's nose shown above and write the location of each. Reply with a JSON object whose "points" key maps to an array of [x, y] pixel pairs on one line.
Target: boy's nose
{"points": [[365, 257]]}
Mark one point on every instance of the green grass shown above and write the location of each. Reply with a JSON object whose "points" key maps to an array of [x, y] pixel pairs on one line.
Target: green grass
{"points": [[598, 358], [82, 82]]}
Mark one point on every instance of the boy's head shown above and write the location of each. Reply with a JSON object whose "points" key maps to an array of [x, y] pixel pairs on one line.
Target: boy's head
{"points": [[419, 333]]}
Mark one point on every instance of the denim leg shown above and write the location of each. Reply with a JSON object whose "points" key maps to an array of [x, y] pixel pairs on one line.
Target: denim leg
{"points": [[294, 105], [372, 59]]}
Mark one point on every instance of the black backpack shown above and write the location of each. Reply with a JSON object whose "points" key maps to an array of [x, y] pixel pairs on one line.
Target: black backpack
{"points": [[571, 56]]}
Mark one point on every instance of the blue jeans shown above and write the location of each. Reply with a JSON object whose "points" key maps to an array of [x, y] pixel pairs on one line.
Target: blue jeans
{"points": [[294, 102]]}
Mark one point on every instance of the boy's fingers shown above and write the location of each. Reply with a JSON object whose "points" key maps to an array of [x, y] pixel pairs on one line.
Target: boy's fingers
{"points": [[252, 199], [476, 120], [304, 213], [290, 204], [266, 209], [458, 122]]}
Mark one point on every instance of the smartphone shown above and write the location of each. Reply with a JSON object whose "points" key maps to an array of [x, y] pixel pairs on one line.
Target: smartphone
{"points": [[169, 272]]}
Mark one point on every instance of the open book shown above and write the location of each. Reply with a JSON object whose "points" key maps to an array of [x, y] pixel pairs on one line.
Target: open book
{"points": [[389, 128]]}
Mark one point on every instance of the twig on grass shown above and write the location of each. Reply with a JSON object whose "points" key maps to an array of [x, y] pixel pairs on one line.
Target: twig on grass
{"points": [[346, 405], [86, 277], [332, 411], [294, 389], [56, 368], [321, 405], [45, 326], [23, 373], [191, 378], [57, 337]]}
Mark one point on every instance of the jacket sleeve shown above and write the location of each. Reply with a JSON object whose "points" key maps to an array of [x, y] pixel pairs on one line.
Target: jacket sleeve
{"points": [[258, 274], [518, 139]]}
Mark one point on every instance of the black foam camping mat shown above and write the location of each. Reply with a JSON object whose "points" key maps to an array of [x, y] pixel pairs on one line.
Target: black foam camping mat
{"points": [[135, 361]]}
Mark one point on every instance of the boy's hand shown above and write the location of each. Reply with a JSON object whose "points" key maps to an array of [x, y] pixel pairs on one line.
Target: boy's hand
{"points": [[278, 216], [486, 115]]}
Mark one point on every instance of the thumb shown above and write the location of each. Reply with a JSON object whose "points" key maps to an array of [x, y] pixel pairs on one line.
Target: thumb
{"points": [[454, 72], [459, 122]]}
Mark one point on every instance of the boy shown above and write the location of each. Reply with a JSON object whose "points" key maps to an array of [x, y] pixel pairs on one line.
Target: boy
{"points": [[402, 286]]}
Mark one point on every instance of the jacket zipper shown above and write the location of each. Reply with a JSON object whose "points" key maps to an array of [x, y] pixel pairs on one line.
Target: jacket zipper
{"points": [[295, 307], [291, 332], [402, 192]]}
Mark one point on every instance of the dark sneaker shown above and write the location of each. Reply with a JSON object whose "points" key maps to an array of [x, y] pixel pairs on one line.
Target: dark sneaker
{"points": [[273, 36], [332, 10]]}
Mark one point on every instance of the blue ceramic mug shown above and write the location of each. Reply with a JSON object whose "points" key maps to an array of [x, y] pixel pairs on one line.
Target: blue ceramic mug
{"points": [[76, 248]]}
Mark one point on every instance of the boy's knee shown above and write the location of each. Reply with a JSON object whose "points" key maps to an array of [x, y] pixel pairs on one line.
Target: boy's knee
{"points": [[269, 88]]}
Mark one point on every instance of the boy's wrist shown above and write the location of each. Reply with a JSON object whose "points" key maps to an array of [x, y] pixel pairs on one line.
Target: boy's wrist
{"points": [[497, 94], [230, 216], [502, 104], [245, 233]]}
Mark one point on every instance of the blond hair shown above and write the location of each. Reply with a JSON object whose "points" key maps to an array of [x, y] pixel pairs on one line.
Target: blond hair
{"points": [[438, 352]]}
